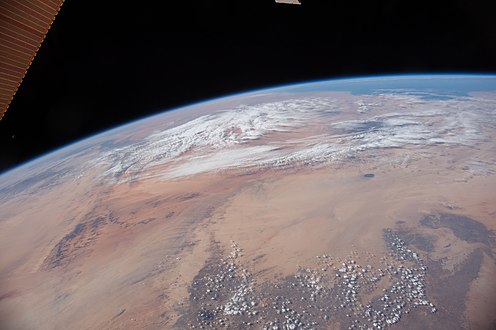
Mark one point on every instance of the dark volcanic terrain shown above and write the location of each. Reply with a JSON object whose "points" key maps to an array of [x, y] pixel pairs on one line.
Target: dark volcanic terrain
{"points": [[404, 288]]}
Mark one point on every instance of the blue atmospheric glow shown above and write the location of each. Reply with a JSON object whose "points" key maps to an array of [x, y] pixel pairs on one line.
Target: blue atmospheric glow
{"points": [[426, 86], [430, 87], [458, 84]]}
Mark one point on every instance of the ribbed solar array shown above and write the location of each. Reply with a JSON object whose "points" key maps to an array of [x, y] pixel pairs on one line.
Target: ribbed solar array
{"points": [[23, 26]]}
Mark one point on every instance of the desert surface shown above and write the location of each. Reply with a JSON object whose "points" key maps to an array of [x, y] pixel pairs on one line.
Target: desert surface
{"points": [[355, 216]]}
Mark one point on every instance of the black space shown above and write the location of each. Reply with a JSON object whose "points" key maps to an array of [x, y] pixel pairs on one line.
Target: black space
{"points": [[105, 63]]}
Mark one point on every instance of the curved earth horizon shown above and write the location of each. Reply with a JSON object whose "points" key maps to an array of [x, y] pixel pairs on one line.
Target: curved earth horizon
{"points": [[364, 203]]}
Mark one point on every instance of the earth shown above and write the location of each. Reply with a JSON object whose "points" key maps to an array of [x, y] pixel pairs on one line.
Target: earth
{"points": [[365, 203]]}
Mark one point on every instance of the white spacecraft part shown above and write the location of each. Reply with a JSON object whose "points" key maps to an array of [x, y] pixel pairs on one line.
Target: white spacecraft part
{"points": [[292, 2]]}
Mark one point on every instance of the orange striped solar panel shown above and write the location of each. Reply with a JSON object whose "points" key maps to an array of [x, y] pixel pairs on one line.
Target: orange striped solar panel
{"points": [[23, 26]]}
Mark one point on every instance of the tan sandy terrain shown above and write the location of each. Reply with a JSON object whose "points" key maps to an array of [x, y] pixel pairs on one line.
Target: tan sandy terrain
{"points": [[370, 214], [134, 267]]}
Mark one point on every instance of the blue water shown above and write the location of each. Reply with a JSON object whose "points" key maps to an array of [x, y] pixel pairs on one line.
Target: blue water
{"points": [[427, 87]]}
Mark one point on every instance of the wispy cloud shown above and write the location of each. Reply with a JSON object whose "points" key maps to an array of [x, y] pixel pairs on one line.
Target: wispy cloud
{"points": [[248, 135]]}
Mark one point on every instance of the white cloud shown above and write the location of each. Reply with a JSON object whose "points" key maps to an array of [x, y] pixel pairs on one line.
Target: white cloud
{"points": [[248, 135]]}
